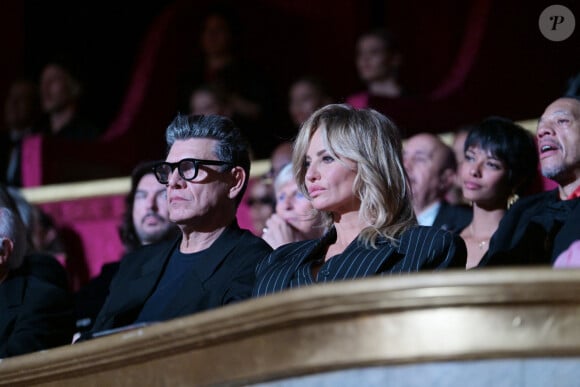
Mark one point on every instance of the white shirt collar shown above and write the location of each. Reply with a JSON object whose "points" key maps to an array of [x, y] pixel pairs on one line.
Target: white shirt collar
{"points": [[428, 215]]}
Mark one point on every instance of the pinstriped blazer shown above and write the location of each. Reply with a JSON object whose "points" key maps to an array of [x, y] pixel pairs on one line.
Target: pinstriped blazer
{"points": [[420, 248]]}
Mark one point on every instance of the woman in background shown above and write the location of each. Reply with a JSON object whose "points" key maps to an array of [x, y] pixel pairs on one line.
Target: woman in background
{"points": [[378, 60], [294, 219], [500, 161]]}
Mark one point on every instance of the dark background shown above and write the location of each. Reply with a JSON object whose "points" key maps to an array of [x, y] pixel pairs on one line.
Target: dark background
{"points": [[100, 39], [105, 37], [513, 71]]}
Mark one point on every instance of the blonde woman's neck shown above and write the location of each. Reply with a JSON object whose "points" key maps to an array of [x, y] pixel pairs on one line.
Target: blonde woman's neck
{"points": [[348, 226]]}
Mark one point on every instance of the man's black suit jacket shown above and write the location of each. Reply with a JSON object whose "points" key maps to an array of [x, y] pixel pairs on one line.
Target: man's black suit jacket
{"points": [[420, 248], [226, 274], [536, 230], [453, 218], [35, 314]]}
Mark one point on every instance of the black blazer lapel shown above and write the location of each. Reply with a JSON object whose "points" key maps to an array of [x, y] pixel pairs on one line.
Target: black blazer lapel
{"points": [[134, 287], [193, 290], [452, 218]]}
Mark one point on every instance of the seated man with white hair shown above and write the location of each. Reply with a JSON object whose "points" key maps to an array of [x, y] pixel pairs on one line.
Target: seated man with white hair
{"points": [[35, 314]]}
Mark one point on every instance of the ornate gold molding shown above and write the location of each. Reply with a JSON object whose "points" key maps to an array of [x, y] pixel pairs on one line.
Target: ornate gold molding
{"points": [[454, 315]]}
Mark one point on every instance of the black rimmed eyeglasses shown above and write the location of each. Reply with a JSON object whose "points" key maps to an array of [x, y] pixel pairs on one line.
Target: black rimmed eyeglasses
{"points": [[187, 168]]}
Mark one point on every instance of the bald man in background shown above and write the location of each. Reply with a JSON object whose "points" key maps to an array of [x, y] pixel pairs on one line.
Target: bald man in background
{"points": [[432, 168]]}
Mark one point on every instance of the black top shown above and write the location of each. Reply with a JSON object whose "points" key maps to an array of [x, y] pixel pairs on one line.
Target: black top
{"points": [[224, 274], [453, 218], [35, 312], [170, 283], [535, 230]]}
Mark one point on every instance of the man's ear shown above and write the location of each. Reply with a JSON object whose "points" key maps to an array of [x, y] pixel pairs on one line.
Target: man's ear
{"points": [[238, 179], [6, 248]]}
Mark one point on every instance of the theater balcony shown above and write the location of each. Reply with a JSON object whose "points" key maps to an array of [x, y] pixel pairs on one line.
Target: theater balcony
{"points": [[514, 327]]}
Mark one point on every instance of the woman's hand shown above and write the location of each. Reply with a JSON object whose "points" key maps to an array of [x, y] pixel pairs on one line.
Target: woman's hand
{"points": [[278, 232]]}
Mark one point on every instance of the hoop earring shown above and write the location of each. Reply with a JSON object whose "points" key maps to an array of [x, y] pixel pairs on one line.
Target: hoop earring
{"points": [[514, 197]]}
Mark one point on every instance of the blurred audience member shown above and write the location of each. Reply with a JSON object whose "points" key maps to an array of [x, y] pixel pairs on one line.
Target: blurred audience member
{"points": [[431, 167], [146, 217], [455, 193], [41, 255], [378, 59], [250, 97], [61, 93], [35, 314], [145, 221], [279, 158], [499, 164], [46, 235], [43, 235], [307, 94], [295, 219], [260, 201], [538, 228], [458, 144], [209, 99], [21, 118]]}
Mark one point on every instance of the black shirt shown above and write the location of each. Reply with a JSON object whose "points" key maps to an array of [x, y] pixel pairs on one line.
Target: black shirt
{"points": [[171, 281]]}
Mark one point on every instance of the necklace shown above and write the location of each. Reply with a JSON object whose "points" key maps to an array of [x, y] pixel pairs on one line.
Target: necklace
{"points": [[482, 243]]}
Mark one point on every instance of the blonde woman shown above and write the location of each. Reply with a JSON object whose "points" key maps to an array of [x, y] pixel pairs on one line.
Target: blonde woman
{"points": [[348, 163]]}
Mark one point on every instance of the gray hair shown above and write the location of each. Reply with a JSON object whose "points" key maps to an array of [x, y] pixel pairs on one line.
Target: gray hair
{"points": [[11, 227], [232, 146], [284, 176]]}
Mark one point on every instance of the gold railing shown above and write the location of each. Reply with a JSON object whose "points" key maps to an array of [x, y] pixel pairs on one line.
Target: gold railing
{"points": [[413, 319]]}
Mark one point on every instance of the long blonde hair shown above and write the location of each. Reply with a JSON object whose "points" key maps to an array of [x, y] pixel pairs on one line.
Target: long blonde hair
{"points": [[374, 143]]}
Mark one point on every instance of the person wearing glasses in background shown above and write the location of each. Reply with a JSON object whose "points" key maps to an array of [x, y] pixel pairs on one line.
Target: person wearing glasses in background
{"points": [[212, 262]]}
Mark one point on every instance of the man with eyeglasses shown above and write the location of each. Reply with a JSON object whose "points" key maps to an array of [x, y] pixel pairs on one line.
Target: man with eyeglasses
{"points": [[212, 262]]}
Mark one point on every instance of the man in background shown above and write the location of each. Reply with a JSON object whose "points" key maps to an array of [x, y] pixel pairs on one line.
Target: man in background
{"points": [[432, 169], [538, 228], [21, 117], [35, 313], [145, 221]]}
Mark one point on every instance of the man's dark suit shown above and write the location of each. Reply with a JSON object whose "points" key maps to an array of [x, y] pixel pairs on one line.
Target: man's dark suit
{"points": [[420, 248], [224, 274], [453, 218], [35, 314], [535, 230]]}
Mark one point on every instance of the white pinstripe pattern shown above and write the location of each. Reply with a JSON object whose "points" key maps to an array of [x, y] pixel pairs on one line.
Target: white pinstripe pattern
{"points": [[420, 248]]}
